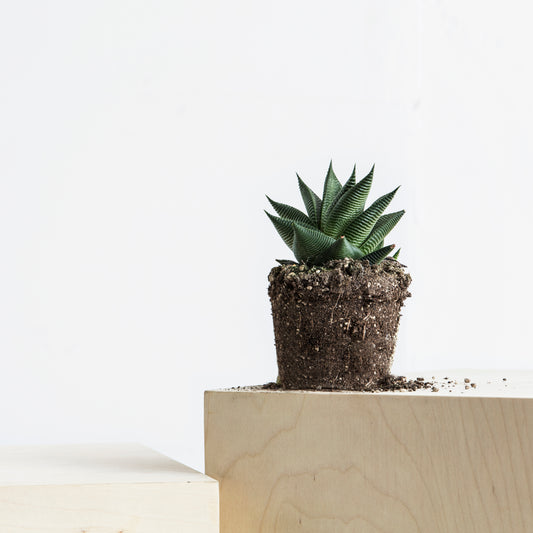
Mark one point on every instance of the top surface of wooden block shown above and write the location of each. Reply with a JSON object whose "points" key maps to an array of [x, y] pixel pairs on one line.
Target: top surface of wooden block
{"points": [[91, 464], [481, 383]]}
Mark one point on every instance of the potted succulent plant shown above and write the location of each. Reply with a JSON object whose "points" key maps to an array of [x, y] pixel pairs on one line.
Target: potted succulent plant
{"points": [[336, 308]]}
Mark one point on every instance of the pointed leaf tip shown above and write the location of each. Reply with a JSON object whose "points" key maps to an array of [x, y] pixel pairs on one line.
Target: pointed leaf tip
{"points": [[359, 229], [312, 202], [348, 205], [331, 187], [381, 229], [290, 213], [283, 227], [378, 255]]}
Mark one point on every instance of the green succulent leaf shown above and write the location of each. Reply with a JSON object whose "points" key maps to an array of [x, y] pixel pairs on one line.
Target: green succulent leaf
{"points": [[332, 187], [337, 225], [289, 212], [348, 206], [313, 204], [383, 227], [384, 219], [283, 227], [340, 249], [361, 226], [345, 188], [286, 262], [352, 175], [396, 255], [309, 242], [378, 255]]}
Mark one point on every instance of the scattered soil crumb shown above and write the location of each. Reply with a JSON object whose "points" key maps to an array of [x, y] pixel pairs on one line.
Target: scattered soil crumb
{"points": [[400, 383], [392, 383], [385, 384], [268, 386]]}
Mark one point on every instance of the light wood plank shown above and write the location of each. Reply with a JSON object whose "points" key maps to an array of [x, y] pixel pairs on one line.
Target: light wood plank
{"points": [[389, 462], [102, 489]]}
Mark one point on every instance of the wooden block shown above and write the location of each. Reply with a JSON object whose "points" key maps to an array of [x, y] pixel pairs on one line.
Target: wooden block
{"points": [[102, 489], [331, 462]]}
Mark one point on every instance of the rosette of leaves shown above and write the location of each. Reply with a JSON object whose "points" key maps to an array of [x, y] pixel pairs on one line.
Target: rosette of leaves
{"points": [[338, 225]]}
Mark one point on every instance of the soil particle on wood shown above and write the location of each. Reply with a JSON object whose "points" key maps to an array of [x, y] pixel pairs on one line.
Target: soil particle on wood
{"points": [[386, 384], [393, 383], [335, 326], [401, 383]]}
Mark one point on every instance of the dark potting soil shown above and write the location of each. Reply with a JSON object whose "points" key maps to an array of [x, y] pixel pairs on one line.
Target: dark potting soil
{"points": [[335, 326], [386, 384], [393, 383]]}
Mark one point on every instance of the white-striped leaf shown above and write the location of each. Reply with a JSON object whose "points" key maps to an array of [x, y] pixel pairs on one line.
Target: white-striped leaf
{"points": [[289, 212], [313, 204], [383, 227], [332, 187], [348, 207], [345, 188], [359, 228], [283, 227], [340, 249], [308, 242], [378, 255]]}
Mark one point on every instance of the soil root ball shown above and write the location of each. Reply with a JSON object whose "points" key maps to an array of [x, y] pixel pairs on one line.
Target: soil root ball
{"points": [[335, 326]]}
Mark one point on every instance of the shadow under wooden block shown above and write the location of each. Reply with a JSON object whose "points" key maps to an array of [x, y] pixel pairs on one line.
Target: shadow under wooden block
{"points": [[443, 462], [118, 488]]}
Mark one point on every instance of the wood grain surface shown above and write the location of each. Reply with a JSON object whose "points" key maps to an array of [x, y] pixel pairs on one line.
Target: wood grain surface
{"points": [[102, 489], [329, 462]]}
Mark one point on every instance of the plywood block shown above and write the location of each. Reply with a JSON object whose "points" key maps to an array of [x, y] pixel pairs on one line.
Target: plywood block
{"points": [[332, 462], [102, 489]]}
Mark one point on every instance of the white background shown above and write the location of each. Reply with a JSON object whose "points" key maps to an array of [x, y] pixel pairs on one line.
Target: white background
{"points": [[138, 140]]}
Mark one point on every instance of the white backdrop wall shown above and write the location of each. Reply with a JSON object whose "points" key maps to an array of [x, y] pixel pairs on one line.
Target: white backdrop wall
{"points": [[138, 140]]}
